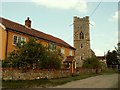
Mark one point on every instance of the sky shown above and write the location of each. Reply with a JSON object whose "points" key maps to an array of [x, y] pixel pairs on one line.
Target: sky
{"points": [[55, 17]]}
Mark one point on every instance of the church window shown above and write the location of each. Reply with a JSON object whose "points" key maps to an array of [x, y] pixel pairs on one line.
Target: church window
{"points": [[81, 58], [81, 45], [81, 35]]}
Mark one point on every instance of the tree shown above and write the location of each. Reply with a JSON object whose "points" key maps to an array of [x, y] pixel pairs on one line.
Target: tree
{"points": [[33, 55], [53, 60], [111, 58], [92, 63], [118, 54]]}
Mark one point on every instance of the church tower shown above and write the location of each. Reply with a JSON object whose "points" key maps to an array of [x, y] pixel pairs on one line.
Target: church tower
{"points": [[81, 39]]}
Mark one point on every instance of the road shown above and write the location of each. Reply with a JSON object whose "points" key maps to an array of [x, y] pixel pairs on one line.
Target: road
{"points": [[101, 81]]}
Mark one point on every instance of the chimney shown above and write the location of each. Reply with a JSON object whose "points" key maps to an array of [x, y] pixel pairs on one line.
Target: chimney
{"points": [[28, 23]]}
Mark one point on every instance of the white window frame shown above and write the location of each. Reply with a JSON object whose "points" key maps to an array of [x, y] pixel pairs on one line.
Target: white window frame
{"points": [[19, 38], [62, 50], [51, 46], [23, 39], [70, 53], [13, 40]]}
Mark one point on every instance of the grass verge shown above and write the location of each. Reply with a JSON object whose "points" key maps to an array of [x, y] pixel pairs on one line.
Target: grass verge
{"points": [[43, 83], [110, 71]]}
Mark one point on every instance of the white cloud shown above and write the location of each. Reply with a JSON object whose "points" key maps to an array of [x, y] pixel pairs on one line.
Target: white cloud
{"points": [[115, 16], [79, 5]]}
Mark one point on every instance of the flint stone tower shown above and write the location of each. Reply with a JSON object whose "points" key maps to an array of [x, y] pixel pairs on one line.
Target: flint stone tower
{"points": [[81, 39]]}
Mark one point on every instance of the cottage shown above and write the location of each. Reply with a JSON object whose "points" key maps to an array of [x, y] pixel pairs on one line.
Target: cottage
{"points": [[11, 33]]}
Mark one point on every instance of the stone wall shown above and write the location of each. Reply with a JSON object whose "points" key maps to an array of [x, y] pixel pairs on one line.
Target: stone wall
{"points": [[14, 74]]}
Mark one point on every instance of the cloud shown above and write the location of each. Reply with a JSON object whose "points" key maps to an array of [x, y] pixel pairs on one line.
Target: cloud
{"points": [[79, 5], [115, 16]]}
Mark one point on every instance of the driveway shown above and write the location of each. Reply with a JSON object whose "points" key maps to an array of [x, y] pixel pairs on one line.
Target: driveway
{"points": [[101, 81]]}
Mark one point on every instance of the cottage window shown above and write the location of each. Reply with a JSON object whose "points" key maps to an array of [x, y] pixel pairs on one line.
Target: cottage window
{"points": [[23, 39], [62, 51], [18, 39], [70, 53], [51, 46], [14, 39]]}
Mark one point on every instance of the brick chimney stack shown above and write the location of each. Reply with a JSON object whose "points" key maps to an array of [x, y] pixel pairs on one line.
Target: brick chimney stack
{"points": [[28, 23]]}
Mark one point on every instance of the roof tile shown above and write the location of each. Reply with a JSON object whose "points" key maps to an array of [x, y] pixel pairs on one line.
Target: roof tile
{"points": [[30, 31]]}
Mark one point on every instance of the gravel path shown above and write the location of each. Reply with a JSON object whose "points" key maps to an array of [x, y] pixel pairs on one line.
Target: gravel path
{"points": [[101, 81]]}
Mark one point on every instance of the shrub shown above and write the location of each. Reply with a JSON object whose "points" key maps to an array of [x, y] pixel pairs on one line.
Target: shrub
{"points": [[33, 55], [92, 63], [53, 60]]}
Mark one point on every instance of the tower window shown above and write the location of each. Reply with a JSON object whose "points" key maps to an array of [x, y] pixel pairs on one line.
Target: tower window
{"points": [[81, 45], [81, 58], [81, 35]]}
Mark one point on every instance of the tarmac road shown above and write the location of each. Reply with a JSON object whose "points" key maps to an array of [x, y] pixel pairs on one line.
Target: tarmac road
{"points": [[101, 81]]}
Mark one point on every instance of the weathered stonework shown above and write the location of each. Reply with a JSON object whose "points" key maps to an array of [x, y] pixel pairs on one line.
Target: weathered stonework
{"points": [[15, 74], [81, 39]]}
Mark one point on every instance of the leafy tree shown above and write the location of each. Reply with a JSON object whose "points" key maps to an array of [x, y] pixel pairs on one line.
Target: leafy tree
{"points": [[33, 55], [5, 63], [92, 63], [118, 54], [111, 58], [53, 60]]}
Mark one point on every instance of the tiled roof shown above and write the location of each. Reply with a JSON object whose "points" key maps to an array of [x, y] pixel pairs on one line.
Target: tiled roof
{"points": [[69, 59], [30, 31], [101, 57]]}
